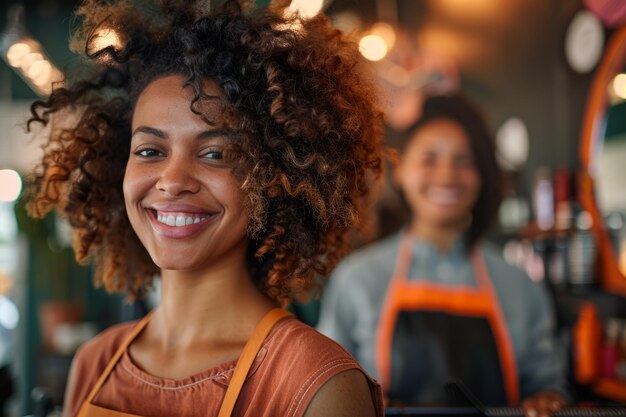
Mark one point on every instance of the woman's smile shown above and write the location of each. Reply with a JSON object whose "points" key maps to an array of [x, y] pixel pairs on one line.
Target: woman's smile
{"points": [[178, 224], [444, 196]]}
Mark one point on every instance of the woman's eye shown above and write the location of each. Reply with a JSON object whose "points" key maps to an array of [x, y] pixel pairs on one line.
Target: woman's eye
{"points": [[428, 159], [212, 155], [148, 152], [465, 162]]}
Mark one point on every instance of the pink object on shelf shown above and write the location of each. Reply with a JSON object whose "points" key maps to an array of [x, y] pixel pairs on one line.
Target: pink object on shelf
{"points": [[611, 12], [610, 355], [611, 349]]}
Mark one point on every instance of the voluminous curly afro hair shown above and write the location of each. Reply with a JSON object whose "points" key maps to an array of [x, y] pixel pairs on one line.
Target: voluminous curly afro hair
{"points": [[308, 149]]}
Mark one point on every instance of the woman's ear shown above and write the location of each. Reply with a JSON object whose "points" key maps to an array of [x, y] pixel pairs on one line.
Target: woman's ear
{"points": [[397, 172], [394, 158]]}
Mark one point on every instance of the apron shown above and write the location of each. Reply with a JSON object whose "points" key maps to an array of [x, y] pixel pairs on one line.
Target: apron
{"points": [[250, 350], [430, 334]]}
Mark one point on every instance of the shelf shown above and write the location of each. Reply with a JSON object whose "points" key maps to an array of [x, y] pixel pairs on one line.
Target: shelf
{"points": [[610, 388], [609, 305], [533, 232]]}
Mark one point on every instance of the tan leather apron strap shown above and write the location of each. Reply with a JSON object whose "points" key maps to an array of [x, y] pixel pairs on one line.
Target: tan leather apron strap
{"points": [[118, 354], [247, 357]]}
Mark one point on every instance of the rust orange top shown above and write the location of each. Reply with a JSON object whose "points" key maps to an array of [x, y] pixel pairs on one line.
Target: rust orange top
{"points": [[292, 365]]}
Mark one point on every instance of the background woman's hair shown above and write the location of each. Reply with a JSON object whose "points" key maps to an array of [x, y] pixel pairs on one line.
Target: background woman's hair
{"points": [[308, 147], [458, 108]]}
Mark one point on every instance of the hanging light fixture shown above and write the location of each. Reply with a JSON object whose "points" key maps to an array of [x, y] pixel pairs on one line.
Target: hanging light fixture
{"points": [[306, 9], [26, 55]]}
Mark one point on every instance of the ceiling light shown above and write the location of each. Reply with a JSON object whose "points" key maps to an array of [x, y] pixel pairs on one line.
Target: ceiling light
{"points": [[306, 9], [373, 47], [10, 185], [16, 53], [22, 52], [619, 85], [104, 38], [385, 31]]}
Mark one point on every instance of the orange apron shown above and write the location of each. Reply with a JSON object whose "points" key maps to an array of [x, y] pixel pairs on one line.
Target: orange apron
{"points": [[250, 350], [430, 333]]}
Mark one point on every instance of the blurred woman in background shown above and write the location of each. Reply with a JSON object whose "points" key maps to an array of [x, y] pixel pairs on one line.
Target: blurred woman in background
{"points": [[434, 307]]}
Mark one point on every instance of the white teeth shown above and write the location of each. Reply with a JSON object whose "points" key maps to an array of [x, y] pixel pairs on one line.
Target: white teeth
{"points": [[178, 220], [443, 196]]}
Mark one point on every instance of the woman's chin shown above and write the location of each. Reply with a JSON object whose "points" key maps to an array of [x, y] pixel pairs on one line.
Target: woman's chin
{"points": [[448, 219], [169, 263]]}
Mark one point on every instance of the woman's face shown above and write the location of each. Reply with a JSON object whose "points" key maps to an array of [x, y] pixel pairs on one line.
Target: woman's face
{"points": [[181, 198], [438, 176]]}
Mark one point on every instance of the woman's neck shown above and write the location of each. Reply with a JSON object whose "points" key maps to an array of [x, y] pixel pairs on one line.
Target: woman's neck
{"points": [[215, 303], [205, 319], [441, 236]]}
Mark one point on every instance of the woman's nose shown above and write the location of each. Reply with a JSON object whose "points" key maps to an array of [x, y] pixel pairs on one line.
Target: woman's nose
{"points": [[445, 172], [178, 177]]}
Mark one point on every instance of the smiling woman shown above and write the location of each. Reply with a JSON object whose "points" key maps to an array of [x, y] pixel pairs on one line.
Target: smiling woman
{"points": [[435, 304], [232, 156]]}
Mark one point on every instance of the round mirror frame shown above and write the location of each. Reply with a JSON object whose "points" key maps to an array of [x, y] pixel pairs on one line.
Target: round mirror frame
{"points": [[591, 137]]}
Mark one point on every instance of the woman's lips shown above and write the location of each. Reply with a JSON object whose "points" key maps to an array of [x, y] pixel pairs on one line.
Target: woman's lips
{"points": [[178, 225], [443, 195]]}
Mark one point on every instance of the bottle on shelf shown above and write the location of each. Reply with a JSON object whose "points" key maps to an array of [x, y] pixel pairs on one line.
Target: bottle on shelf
{"points": [[543, 199], [562, 199], [620, 369], [586, 341], [611, 349], [558, 264], [614, 222], [582, 254]]}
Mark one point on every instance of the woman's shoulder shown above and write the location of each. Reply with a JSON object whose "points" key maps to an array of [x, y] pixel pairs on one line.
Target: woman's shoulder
{"points": [[294, 336], [380, 248], [510, 279], [296, 343], [299, 360], [372, 259], [496, 262]]}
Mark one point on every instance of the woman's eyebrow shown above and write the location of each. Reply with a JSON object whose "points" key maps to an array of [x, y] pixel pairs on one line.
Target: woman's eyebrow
{"points": [[150, 131], [207, 134]]}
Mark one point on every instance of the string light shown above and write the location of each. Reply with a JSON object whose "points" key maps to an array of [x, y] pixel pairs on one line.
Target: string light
{"points": [[104, 38], [306, 9], [619, 85], [16, 53], [373, 47], [27, 56], [347, 22], [10, 185], [385, 31]]}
